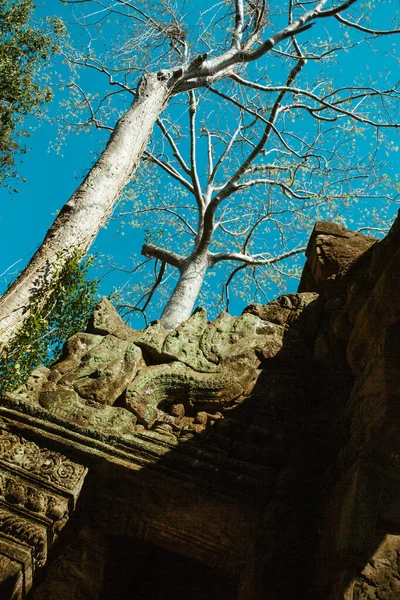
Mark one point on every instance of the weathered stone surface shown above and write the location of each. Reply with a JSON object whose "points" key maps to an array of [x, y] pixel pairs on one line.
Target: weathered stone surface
{"points": [[74, 349], [103, 372], [78, 572], [331, 248], [106, 321], [301, 311], [182, 343], [66, 404], [159, 386], [229, 441], [34, 385], [16, 569], [41, 463], [200, 366], [379, 579], [360, 330], [38, 491]]}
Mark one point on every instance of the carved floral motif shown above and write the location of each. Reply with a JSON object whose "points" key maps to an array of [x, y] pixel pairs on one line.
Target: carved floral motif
{"points": [[47, 464]]}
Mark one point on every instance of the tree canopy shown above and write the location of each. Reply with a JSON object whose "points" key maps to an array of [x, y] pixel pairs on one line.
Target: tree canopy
{"points": [[24, 48]]}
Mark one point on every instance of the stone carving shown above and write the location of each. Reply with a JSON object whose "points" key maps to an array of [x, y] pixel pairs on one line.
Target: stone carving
{"points": [[38, 489], [102, 371], [31, 534], [47, 465], [332, 248], [115, 379], [14, 491], [301, 311], [318, 434], [157, 389]]}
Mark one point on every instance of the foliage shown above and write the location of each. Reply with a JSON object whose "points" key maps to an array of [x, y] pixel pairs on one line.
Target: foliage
{"points": [[44, 332], [24, 49]]}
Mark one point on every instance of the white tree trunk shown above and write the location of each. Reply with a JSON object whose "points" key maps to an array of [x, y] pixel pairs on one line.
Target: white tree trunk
{"points": [[180, 305], [87, 210]]}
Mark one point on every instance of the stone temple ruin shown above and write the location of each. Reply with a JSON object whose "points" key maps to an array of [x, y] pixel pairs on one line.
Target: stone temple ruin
{"points": [[251, 458]]}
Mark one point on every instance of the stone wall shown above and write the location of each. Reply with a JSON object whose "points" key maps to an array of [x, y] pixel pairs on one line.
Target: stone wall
{"points": [[359, 555], [262, 448]]}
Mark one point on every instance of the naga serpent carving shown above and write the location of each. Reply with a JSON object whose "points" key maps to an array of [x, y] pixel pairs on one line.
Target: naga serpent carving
{"points": [[112, 377]]}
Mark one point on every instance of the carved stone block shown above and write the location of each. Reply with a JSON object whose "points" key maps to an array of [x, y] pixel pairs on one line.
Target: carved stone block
{"points": [[38, 491]]}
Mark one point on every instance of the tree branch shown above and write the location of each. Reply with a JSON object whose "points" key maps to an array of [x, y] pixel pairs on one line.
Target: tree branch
{"points": [[169, 169], [222, 156], [231, 186], [163, 208], [326, 105], [225, 287], [286, 188], [203, 71], [154, 286], [193, 166], [173, 145], [334, 11], [239, 23], [366, 29], [250, 111], [152, 251], [253, 260]]}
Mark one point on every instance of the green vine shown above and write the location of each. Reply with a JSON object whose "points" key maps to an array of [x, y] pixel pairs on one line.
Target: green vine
{"points": [[40, 339]]}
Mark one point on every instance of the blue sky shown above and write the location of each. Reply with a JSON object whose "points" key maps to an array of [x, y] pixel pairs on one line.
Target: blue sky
{"points": [[53, 175]]}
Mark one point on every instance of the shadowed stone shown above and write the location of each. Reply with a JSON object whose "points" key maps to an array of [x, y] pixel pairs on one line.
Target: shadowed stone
{"points": [[230, 440]]}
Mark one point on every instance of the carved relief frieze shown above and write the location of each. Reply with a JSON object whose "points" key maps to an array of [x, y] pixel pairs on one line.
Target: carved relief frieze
{"points": [[38, 491], [42, 463], [27, 533], [27, 497]]}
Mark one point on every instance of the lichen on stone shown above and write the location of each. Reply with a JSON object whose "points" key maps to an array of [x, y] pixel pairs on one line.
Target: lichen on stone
{"points": [[113, 376]]}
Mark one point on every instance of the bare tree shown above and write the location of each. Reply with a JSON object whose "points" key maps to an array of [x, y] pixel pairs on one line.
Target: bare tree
{"points": [[281, 175], [254, 31]]}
